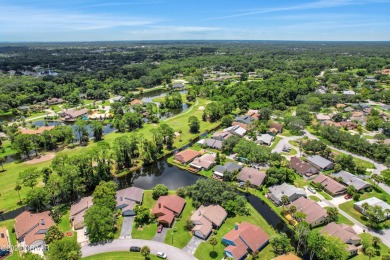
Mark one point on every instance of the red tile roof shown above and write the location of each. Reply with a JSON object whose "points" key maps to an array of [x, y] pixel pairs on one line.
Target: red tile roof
{"points": [[35, 131], [136, 102], [246, 235], [167, 206], [186, 156], [28, 224], [329, 184], [277, 126]]}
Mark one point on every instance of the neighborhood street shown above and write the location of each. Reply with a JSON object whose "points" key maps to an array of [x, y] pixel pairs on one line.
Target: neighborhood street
{"points": [[173, 253]]}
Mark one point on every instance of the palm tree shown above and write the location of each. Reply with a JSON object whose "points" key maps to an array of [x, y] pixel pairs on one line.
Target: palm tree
{"points": [[247, 184], [370, 252], [18, 188], [285, 201]]}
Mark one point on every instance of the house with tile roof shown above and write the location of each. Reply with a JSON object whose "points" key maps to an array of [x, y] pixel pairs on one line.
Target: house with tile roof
{"points": [[77, 212], [204, 162], [135, 102], [186, 156], [315, 214], [244, 239], [167, 208], [277, 126], [302, 168], [330, 185], [345, 233], [31, 228], [276, 192], [5, 245], [72, 114], [255, 177], [127, 199], [207, 218], [350, 179]]}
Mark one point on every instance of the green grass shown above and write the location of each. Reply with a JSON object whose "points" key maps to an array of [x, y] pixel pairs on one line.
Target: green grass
{"points": [[119, 256], [10, 196], [8, 149], [293, 143], [181, 236], [343, 220], [119, 223], [148, 231], [204, 251], [358, 162], [300, 182], [316, 199], [276, 141], [287, 133], [64, 224], [383, 251], [326, 195], [9, 224]]}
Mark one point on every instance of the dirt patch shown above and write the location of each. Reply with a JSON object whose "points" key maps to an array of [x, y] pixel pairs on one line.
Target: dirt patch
{"points": [[69, 234], [42, 158], [201, 108]]}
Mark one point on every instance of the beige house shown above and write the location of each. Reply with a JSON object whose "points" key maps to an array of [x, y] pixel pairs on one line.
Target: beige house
{"points": [[206, 218]]}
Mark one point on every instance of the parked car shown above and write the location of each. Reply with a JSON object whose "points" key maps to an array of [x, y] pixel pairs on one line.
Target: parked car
{"points": [[135, 249], [161, 255], [160, 228], [347, 196], [312, 190], [85, 231]]}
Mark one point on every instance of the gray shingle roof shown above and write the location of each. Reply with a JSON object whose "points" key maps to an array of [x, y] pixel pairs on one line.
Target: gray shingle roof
{"points": [[319, 160], [350, 179]]}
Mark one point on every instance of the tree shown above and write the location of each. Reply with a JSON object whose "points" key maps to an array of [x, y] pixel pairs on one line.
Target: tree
{"points": [[301, 233], [226, 121], [37, 199], [145, 252], [386, 177], [299, 216], [247, 184], [31, 256], [194, 124], [315, 243], [100, 223], [53, 234], [104, 194], [377, 179], [281, 243], [376, 241], [66, 248], [22, 144], [17, 189], [370, 252], [97, 129], [333, 213], [82, 131], [159, 190], [143, 214], [213, 241], [217, 159], [29, 177]]}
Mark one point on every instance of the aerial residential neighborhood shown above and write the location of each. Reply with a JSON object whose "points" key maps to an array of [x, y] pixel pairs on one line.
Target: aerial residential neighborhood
{"points": [[191, 130]]}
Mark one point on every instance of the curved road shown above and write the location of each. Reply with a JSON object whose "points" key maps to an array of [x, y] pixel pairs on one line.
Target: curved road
{"points": [[173, 253]]}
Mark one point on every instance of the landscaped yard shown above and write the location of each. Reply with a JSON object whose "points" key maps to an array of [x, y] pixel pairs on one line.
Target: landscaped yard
{"points": [[343, 220], [181, 236], [147, 231], [65, 224], [325, 195], [204, 251], [119, 256], [8, 149], [361, 256], [316, 199]]}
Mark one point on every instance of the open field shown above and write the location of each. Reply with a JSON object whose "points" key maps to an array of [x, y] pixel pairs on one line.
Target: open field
{"points": [[10, 197]]}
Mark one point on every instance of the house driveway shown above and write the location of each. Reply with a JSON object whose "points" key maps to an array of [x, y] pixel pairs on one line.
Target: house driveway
{"points": [[161, 236], [127, 227], [191, 247], [81, 238], [173, 253]]}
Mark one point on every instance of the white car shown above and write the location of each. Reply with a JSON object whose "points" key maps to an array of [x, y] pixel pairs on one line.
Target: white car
{"points": [[161, 255], [312, 190]]}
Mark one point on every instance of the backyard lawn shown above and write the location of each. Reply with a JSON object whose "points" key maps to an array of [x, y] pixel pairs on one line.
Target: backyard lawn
{"points": [[119, 256], [181, 236], [205, 250], [361, 256], [8, 149]]}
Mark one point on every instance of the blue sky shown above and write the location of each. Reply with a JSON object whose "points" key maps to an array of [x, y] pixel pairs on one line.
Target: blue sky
{"points": [[95, 20]]}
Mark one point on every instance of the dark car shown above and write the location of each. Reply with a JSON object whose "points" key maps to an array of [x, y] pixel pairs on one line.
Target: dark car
{"points": [[160, 228], [348, 196], [135, 249]]}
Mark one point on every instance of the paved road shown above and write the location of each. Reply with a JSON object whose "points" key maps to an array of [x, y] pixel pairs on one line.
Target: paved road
{"points": [[127, 227], [284, 142], [173, 253], [384, 235]]}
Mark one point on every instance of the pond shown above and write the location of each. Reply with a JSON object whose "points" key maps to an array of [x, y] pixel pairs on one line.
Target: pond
{"points": [[173, 177]]}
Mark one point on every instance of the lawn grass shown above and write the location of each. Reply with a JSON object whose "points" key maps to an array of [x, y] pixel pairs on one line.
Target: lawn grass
{"points": [[119, 256], [316, 199], [383, 251], [204, 250], [326, 195], [293, 143], [9, 224], [10, 196], [343, 220], [147, 231], [119, 222], [65, 225], [181, 236], [300, 182], [8, 149], [358, 162], [275, 142]]}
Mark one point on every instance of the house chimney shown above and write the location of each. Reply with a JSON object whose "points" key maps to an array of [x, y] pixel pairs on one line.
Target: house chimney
{"points": [[42, 221], [159, 205], [2, 235]]}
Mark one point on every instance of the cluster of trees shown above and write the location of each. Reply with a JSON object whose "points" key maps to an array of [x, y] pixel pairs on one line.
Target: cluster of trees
{"points": [[375, 215], [60, 247], [311, 242], [212, 192], [253, 152], [100, 218], [129, 121], [172, 100], [355, 144]]}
